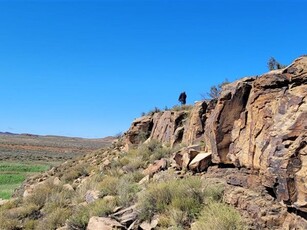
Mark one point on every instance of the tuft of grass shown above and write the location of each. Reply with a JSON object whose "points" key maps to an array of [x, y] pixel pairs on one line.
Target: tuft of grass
{"points": [[58, 198], [108, 186], [81, 215], [55, 219], [124, 187], [81, 169], [181, 195], [219, 216], [127, 188], [101, 207], [213, 192], [30, 224], [153, 150], [9, 224], [79, 219], [182, 108], [40, 194]]}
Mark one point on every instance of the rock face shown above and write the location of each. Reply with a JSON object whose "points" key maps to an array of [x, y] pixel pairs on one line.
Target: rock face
{"points": [[258, 122], [195, 126], [139, 130], [171, 127], [262, 124]]}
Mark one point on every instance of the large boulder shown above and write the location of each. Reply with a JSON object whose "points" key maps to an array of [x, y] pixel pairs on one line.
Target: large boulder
{"points": [[184, 156], [201, 162], [157, 166]]}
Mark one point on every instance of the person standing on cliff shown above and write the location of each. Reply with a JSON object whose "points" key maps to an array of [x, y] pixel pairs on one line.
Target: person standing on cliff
{"points": [[182, 98]]}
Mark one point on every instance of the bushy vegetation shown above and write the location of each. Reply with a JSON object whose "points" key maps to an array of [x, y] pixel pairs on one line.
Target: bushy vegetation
{"points": [[182, 108], [273, 64], [181, 200], [81, 214], [215, 90], [174, 108], [219, 216]]}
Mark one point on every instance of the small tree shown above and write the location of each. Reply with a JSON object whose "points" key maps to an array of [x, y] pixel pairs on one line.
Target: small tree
{"points": [[215, 91], [273, 64]]}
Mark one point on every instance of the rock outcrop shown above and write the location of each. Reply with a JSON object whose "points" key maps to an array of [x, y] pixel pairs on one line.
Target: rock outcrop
{"points": [[262, 124], [259, 123], [185, 125]]}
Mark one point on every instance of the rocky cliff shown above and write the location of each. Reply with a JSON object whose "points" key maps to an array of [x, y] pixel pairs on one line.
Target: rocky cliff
{"points": [[259, 123]]}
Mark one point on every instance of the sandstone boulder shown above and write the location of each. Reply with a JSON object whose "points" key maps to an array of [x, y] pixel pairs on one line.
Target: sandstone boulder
{"points": [[157, 166], [150, 225], [184, 156], [201, 162], [103, 223]]}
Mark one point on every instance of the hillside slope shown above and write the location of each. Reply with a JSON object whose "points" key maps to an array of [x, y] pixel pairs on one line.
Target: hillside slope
{"points": [[237, 162]]}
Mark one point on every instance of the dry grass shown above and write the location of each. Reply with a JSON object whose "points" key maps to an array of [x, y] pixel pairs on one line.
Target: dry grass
{"points": [[177, 198], [219, 216]]}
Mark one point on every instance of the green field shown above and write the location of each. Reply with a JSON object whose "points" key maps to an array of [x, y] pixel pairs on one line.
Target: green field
{"points": [[13, 174]]}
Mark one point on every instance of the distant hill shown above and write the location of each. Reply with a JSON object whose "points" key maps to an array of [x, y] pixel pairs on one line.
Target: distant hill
{"points": [[35, 147]]}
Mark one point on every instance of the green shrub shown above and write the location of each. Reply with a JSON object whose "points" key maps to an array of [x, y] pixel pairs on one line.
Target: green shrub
{"points": [[58, 198], [76, 171], [213, 191], [219, 216], [55, 219], [108, 186], [182, 195], [101, 207], [152, 151], [30, 224], [23, 211], [127, 188], [9, 224], [79, 219], [40, 194]]}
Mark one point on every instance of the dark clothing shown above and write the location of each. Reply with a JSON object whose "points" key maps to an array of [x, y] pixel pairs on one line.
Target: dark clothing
{"points": [[182, 98]]}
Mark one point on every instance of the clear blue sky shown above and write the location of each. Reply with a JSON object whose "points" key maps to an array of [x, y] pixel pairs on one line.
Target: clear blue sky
{"points": [[88, 68]]}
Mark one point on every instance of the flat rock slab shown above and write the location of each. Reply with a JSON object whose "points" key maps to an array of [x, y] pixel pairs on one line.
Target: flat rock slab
{"points": [[103, 223], [201, 162]]}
